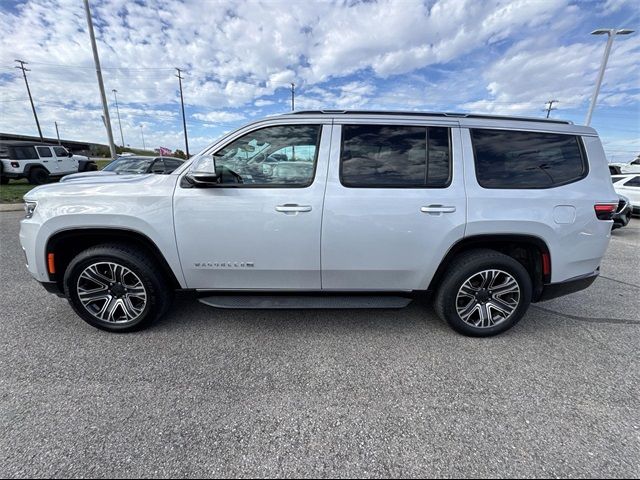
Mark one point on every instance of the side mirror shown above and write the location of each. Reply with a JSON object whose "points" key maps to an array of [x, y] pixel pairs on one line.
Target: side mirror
{"points": [[203, 173], [69, 153]]}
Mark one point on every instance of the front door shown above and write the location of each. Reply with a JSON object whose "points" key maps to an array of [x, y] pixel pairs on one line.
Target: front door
{"points": [[395, 203], [66, 164], [259, 228]]}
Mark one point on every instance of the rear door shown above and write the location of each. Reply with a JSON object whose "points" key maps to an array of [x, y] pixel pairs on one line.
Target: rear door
{"points": [[395, 203], [48, 160]]}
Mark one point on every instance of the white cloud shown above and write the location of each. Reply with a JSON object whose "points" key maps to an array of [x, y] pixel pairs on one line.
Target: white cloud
{"points": [[218, 117]]}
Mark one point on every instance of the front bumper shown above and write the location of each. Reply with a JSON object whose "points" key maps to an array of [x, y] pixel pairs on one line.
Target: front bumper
{"points": [[573, 285], [53, 287]]}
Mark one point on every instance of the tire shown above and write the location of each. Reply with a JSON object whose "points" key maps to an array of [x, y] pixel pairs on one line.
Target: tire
{"points": [[38, 176], [3, 180], [114, 300], [471, 269]]}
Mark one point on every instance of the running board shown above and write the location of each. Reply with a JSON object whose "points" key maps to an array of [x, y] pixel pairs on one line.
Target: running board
{"points": [[304, 301]]}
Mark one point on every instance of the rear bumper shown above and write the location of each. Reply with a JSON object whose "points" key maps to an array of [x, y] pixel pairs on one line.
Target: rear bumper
{"points": [[573, 285]]}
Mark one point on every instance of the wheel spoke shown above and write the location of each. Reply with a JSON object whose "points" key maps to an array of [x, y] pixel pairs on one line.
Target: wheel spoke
{"points": [[92, 274], [509, 286]]}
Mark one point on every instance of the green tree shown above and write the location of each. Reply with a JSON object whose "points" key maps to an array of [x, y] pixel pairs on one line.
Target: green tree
{"points": [[180, 154]]}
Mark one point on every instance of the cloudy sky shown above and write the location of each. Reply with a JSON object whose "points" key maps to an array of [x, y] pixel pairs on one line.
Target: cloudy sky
{"points": [[504, 57]]}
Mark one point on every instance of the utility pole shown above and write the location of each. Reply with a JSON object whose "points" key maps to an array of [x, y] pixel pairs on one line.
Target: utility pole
{"points": [[184, 120], [115, 94], [611, 32], [550, 106], [293, 96], [57, 133], [26, 82], [96, 59], [144, 147]]}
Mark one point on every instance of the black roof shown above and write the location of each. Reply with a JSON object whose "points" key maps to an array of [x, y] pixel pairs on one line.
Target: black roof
{"points": [[430, 114], [24, 143]]}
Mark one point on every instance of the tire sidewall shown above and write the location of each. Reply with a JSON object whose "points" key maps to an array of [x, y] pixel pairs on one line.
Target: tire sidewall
{"points": [[152, 309], [452, 285]]}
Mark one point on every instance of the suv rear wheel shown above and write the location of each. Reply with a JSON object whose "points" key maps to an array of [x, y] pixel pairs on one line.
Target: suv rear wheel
{"points": [[483, 293], [38, 176], [116, 288]]}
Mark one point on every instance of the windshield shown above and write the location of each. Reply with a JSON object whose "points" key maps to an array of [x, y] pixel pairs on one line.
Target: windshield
{"points": [[129, 165]]}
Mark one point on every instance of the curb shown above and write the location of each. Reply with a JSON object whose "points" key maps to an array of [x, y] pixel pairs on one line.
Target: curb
{"points": [[11, 207]]}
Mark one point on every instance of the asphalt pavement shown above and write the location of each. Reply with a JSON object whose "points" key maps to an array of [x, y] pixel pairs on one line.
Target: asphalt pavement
{"points": [[350, 393]]}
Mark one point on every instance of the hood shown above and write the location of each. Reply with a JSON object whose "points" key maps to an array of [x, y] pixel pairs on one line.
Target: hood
{"points": [[111, 184], [75, 176]]}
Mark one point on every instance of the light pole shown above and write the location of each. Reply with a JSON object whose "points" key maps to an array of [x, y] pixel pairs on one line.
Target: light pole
{"points": [[115, 95], [144, 147], [612, 32]]}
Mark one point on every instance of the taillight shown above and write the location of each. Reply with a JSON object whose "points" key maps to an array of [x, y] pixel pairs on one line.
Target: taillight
{"points": [[605, 211]]}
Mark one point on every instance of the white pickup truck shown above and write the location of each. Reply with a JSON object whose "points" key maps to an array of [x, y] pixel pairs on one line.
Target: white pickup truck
{"points": [[335, 209]]}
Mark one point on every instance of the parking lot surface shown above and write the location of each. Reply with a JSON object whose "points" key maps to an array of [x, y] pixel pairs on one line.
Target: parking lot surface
{"points": [[348, 393]]}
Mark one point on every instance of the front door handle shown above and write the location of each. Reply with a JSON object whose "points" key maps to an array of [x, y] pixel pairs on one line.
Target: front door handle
{"points": [[293, 208], [438, 209]]}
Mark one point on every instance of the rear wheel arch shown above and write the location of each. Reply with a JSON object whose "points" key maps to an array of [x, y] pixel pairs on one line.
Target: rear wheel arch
{"points": [[527, 249], [30, 166], [67, 244]]}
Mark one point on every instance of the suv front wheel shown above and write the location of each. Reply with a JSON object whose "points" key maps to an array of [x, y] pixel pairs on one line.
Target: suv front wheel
{"points": [[483, 293], [116, 288]]}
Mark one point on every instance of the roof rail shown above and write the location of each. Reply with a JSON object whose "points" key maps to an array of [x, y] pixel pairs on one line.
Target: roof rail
{"points": [[429, 114]]}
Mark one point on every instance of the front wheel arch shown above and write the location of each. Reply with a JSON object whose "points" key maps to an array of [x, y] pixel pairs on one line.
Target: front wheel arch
{"points": [[66, 244]]}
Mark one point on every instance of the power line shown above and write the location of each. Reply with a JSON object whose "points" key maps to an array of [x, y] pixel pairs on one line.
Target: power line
{"points": [[26, 82]]}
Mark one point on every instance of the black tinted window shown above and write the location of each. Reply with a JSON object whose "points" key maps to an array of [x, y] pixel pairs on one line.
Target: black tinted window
{"points": [[634, 182], [44, 151], [512, 159], [24, 153], [61, 151], [395, 156]]}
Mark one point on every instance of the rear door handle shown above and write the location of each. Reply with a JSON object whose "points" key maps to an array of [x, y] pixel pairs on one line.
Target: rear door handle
{"points": [[438, 209], [293, 208]]}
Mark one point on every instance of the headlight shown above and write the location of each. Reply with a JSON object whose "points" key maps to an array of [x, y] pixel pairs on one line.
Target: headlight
{"points": [[29, 208]]}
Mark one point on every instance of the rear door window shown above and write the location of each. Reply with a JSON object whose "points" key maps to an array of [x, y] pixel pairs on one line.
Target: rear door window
{"points": [[393, 156], [518, 159], [44, 152]]}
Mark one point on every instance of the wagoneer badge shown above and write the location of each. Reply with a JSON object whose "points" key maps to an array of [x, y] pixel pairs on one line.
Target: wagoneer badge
{"points": [[223, 264]]}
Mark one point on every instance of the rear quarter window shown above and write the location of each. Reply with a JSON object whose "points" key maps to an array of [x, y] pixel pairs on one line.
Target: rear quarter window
{"points": [[527, 160], [23, 153]]}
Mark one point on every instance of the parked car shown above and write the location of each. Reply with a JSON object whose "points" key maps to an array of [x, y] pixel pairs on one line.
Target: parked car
{"points": [[130, 164], [369, 210], [619, 168], [622, 216], [38, 162], [629, 186]]}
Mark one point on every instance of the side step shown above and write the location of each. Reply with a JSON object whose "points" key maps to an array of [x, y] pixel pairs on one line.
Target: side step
{"points": [[304, 301]]}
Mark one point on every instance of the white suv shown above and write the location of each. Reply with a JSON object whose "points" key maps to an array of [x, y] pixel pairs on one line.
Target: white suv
{"points": [[336, 209], [37, 162]]}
